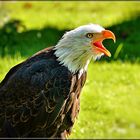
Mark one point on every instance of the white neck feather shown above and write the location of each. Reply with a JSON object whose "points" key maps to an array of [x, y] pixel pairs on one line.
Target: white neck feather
{"points": [[72, 56]]}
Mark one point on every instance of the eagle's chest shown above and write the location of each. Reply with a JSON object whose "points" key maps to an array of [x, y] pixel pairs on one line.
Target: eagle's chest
{"points": [[72, 104], [74, 98]]}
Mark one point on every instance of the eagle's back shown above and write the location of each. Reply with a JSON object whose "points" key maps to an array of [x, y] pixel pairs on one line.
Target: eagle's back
{"points": [[39, 98]]}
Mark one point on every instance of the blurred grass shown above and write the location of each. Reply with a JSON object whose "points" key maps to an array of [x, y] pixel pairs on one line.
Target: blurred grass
{"points": [[110, 102], [110, 99], [72, 14]]}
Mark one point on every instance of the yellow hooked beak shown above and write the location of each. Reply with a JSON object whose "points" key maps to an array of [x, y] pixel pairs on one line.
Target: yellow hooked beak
{"points": [[97, 42]]}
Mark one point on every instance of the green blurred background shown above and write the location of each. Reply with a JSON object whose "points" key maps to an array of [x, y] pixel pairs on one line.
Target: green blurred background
{"points": [[110, 100]]}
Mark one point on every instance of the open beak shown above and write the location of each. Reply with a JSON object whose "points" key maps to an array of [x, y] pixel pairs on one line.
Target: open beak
{"points": [[97, 43]]}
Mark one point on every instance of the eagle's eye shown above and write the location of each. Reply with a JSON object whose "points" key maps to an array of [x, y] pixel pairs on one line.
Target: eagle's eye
{"points": [[89, 35]]}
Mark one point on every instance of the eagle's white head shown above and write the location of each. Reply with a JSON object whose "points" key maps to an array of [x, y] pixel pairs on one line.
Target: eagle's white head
{"points": [[78, 46]]}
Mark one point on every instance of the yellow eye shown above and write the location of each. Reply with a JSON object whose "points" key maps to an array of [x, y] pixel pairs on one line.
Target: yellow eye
{"points": [[89, 35]]}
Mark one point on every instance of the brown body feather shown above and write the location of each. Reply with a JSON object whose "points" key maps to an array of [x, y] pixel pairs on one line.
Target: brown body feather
{"points": [[39, 98]]}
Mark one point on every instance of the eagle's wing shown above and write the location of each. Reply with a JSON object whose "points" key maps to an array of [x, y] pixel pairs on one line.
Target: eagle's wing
{"points": [[32, 95]]}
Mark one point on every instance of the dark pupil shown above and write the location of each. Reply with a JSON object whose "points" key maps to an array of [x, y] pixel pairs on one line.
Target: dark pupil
{"points": [[89, 35]]}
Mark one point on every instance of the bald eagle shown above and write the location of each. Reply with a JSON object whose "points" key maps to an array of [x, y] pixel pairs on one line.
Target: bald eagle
{"points": [[40, 97]]}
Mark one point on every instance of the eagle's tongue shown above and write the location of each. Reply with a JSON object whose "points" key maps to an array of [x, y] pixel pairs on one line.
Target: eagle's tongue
{"points": [[101, 48], [98, 44]]}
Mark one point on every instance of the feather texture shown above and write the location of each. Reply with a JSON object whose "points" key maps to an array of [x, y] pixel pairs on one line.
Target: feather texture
{"points": [[39, 98]]}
